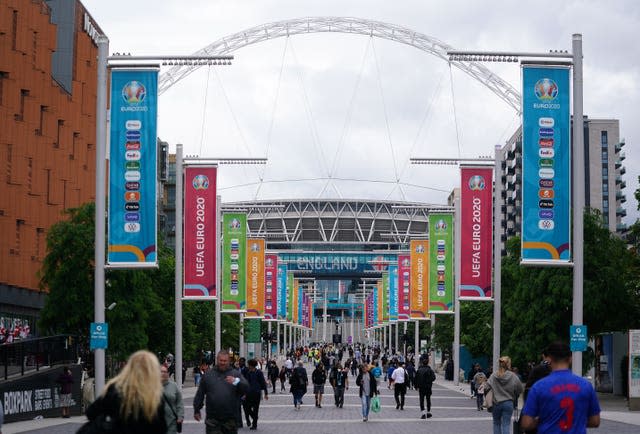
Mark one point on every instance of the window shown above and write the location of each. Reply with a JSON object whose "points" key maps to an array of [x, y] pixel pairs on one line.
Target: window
{"points": [[39, 131], [24, 93], [39, 243], [60, 125], [3, 76], [16, 246], [9, 162], [605, 204], [605, 155], [30, 175], [605, 172], [49, 187], [604, 138], [605, 188], [76, 135], [14, 30]]}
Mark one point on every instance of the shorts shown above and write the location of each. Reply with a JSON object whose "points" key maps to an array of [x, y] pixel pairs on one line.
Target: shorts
{"points": [[65, 400], [318, 388]]}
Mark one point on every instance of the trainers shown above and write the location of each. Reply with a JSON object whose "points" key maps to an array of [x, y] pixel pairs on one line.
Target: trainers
{"points": [[429, 415]]}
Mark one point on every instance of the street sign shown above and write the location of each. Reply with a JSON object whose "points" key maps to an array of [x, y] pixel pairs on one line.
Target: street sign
{"points": [[579, 337], [99, 332]]}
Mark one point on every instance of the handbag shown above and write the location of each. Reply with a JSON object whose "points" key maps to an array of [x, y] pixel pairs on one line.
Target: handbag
{"points": [[101, 424], [178, 424], [488, 400], [375, 404]]}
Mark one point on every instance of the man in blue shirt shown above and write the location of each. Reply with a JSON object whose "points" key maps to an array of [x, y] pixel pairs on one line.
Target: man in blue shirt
{"points": [[561, 403]]}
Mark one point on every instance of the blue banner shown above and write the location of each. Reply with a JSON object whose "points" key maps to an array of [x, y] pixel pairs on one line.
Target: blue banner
{"points": [[282, 291], [546, 165], [132, 168], [393, 293], [338, 263]]}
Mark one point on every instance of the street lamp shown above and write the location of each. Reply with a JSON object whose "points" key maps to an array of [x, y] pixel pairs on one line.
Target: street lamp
{"points": [[101, 146], [578, 161]]}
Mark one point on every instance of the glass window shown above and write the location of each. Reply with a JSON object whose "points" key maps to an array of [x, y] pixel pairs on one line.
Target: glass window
{"points": [[605, 171], [604, 139]]}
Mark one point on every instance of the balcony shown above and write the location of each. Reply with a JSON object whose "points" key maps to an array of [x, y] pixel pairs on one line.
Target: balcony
{"points": [[618, 164], [621, 156], [621, 212], [622, 170], [621, 197], [620, 227]]}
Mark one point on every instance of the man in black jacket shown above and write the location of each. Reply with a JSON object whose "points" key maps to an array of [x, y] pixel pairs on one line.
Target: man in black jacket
{"points": [[424, 381], [257, 384], [222, 387]]}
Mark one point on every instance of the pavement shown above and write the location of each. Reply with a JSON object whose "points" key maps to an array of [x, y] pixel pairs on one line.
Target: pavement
{"points": [[453, 412]]}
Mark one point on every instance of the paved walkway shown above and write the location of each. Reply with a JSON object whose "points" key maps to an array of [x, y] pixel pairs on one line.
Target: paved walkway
{"points": [[453, 412]]}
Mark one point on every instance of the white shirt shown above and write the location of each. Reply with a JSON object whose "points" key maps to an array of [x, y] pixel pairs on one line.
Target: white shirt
{"points": [[288, 364], [398, 375]]}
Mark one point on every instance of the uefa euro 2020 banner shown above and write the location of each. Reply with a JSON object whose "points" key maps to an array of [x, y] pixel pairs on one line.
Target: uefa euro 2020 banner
{"points": [[255, 278], [282, 292], [419, 264], [476, 232], [404, 282], [132, 168], [393, 292], [200, 232], [234, 262], [271, 287], [441, 263], [546, 165]]}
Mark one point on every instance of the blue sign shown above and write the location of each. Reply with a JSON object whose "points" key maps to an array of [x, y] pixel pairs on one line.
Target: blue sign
{"points": [[282, 291], [393, 293], [132, 168], [338, 263], [99, 332], [579, 337], [546, 165]]}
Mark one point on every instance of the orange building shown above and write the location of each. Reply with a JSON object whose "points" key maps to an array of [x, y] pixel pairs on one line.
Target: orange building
{"points": [[48, 81]]}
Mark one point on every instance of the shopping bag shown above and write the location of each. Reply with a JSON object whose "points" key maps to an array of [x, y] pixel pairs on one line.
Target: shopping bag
{"points": [[375, 404], [488, 400]]}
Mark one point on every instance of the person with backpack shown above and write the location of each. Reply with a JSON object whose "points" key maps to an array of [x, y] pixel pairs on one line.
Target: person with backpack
{"points": [[318, 378], [340, 381], [298, 381], [424, 382], [399, 378]]}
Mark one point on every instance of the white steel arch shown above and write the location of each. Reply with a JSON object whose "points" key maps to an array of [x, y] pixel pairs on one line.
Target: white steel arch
{"points": [[230, 44]]}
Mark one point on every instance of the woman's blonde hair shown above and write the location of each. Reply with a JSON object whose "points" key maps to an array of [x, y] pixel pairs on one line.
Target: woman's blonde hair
{"points": [[504, 364], [140, 386]]}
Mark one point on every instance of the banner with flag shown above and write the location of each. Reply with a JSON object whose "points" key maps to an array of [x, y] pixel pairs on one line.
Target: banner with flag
{"points": [[393, 293], [419, 264], [404, 285], [271, 287], [255, 278], [441, 263], [234, 262], [283, 276]]}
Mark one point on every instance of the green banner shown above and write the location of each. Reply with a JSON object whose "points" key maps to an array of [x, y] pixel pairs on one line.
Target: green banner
{"points": [[290, 294], [385, 298], [441, 263], [234, 262], [252, 331]]}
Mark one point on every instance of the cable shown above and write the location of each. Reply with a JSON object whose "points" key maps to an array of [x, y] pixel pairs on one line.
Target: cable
{"points": [[455, 115], [204, 110]]}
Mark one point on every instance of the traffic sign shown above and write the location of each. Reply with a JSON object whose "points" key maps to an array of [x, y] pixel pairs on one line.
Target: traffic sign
{"points": [[99, 332], [579, 337]]}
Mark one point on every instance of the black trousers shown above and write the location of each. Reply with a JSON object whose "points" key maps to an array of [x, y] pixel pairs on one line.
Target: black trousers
{"points": [[251, 406], [399, 390], [425, 393], [338, 394]]}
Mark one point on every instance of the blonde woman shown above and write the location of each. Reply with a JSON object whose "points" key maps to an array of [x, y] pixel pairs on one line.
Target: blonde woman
{"points": [[506, 387], [132, 401]]}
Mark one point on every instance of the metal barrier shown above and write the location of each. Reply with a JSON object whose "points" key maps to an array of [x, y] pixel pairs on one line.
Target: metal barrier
{"points": [[20, 358]]}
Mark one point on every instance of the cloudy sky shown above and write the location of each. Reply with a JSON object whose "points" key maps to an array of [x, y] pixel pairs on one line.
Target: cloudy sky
{"points": [[339, 115]]}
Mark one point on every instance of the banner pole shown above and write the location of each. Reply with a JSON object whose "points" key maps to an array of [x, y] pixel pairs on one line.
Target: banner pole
{"points": [[178, 283]]}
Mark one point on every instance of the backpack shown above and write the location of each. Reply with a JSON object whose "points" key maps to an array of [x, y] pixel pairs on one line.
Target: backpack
{"points": [[298, 378]]}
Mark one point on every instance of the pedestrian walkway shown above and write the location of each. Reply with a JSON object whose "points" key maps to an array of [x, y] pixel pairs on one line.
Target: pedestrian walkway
{"points": [[453, 412]]}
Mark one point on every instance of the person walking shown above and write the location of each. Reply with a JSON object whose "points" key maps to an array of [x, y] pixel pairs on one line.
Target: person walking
{"points": [[318, 378], [222, 388], [132, 400], [173, 406], [424, 383], [257, 385], [561, 402], [340, 382], [298, 381], [65, 380], [479, 379], [399, 378], [368, 385], [506, 387], [273, 373], [283, 377]]}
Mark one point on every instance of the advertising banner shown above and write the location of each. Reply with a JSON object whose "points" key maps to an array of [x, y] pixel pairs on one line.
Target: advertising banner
{"points": [[255, 278], [441, 263], [200, 232], [419, 264], [371, 311], [393, 293], [295, 318], [282, 292], [133, 169], [290, 296], [404, 285], [546, 165], [383, 306], [476, 213], [634, 363], [376, 306], [385, 298], [234, 262], [271, 287]]}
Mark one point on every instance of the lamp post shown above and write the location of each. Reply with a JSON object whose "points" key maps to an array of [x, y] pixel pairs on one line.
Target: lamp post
{"points": [[101, 147], [578, 162]]}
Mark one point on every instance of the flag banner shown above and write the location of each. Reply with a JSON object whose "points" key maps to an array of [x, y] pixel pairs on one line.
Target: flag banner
{"points": [[200, 232], [419, 264], [271, 287], [393, 293], [441, 263], [255, 278], [386, 305], [476, 247], [290, 296], [404, 285], [374, 306], [234, 262], [282, 292], [132, 217], [546, 165], [380, 302], [300, 298], [371, 309], [295, 316]]}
